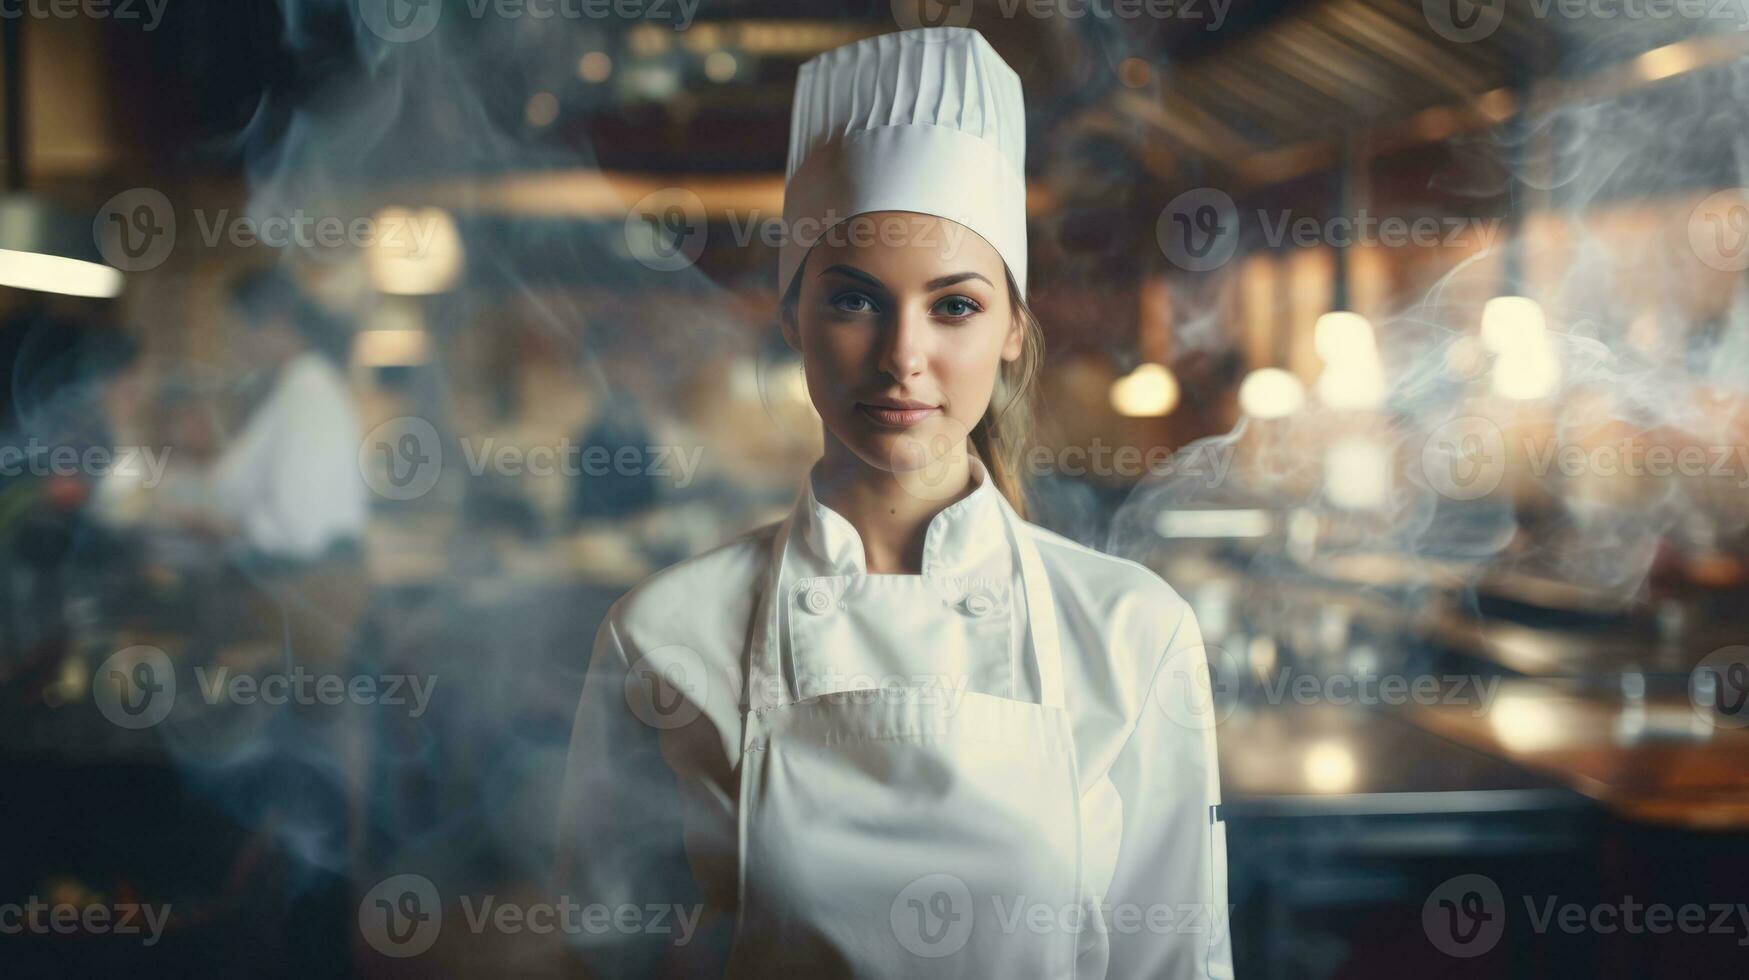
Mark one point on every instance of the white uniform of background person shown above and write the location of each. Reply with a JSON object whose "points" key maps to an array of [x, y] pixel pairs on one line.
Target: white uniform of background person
{"points": [[290, 479], [1002, 767]]}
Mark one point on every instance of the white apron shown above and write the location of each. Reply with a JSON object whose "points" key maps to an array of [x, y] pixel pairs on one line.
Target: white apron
{"points": [[898, 832]]}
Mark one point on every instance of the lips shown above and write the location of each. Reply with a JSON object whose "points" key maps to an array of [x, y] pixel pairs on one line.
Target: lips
{"points": [[897, 414]]}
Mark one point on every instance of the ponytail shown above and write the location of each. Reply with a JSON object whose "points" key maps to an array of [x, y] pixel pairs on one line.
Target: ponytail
{"points": [[1002, 437]]}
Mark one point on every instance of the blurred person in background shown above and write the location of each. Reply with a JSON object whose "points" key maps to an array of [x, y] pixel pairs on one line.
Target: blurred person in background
{"points": [[283, 498], [617, 492], [289, 485]]}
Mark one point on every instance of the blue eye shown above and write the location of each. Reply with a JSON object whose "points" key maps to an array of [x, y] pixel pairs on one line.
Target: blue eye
{"points": [[841, 299], [965, 305]]}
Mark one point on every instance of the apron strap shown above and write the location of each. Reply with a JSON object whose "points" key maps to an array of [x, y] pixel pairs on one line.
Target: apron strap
{"points": [[1041, 610], [766, 677]]}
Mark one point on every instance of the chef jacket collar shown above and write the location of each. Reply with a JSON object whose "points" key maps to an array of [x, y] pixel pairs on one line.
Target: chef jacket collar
{"points": [[966, 540]]}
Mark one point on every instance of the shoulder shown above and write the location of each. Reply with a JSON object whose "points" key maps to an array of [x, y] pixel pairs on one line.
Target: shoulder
{"points": [[1101, 582], [312, 389], [310, 370], [1137, 618], [702, 602]]}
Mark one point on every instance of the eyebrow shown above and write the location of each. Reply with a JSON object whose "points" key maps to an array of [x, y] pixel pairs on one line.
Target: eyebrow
{"points": [[930, 286]]}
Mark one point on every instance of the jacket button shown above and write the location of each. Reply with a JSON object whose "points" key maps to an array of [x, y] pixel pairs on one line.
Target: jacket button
{"points": [[817, 599], [980, 604]]}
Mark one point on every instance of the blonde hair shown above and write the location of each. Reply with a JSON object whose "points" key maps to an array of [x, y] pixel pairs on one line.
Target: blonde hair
{"points": [[1002, 437]]}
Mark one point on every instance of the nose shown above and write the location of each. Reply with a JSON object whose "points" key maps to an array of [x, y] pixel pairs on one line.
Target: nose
{"points": [[904, 348]]}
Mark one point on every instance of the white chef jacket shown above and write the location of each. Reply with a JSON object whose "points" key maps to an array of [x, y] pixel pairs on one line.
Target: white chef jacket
{"points": [[291, 480], [650, 807]]}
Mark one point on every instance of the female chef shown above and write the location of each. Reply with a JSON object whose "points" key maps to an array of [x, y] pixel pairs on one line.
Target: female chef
{"points": [[902, 732]]}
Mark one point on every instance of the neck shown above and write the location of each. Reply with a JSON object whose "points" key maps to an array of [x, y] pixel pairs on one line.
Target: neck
{"points": [[891, 518]]}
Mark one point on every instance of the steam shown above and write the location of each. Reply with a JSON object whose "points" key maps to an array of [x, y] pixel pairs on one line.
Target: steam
{"points": [[371, 123], [1584, 159]]}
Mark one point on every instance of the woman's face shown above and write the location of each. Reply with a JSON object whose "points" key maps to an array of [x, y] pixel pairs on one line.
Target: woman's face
{"points": [[903, 322]]}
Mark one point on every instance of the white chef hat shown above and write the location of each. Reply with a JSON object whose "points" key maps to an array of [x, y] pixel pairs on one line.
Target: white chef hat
{"points": [[929, 120]]}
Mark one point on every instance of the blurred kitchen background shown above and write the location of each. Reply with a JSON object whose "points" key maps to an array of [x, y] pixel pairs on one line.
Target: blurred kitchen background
{"points": [[1409, 341]]}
